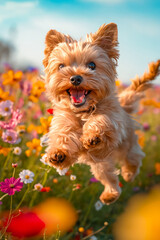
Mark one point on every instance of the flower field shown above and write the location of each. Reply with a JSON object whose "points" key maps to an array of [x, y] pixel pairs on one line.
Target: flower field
{"points": [[36, 202]]}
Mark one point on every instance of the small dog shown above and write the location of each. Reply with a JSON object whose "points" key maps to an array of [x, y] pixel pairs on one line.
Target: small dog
{"points": [[91, 124]]}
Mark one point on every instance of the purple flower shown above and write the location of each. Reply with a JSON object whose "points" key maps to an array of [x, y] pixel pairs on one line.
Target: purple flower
{"points": [[6, 108], [10, 136], [13, 122], [11, 185], [136, 189], [92, 180]]}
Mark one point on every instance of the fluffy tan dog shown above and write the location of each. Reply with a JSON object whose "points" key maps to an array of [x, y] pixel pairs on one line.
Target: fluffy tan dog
{"points": [[91, 124]]}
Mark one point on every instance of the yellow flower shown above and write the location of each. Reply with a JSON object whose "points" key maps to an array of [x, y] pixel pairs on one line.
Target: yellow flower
{"points": [[21, 128], [150, 102], [45, 123], [4, 151], [37, 88], [56, 212], [5, 96], [140, 221], [141, 138], [118, 83], [81, 230], [30, 128], [157, 168], [34, 147], [11, 77]]}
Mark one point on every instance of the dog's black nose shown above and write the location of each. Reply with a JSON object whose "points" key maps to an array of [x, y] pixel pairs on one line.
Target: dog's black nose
{"points": [[76, 80]]}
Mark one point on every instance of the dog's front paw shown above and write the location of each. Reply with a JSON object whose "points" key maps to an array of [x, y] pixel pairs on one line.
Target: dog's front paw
{"points": [[91, 142], [109, 197], [56, 157]]}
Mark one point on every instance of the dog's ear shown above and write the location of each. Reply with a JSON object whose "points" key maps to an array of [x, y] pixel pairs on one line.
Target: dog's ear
{"points": [[107, 38], [53, 38]]}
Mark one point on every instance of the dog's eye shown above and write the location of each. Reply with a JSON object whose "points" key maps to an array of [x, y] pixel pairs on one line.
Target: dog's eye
{"points": [[61, 66], [91, 65]]}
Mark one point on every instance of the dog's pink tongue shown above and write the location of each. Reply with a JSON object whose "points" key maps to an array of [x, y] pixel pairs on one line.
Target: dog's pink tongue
{"points": [[77, 95]]}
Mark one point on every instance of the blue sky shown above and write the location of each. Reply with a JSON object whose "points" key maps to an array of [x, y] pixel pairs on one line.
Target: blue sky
{"points": [[138, 25]]}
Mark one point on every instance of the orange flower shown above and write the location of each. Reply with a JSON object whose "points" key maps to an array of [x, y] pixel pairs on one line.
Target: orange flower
{"points": [[118, 83], [55, 180], [157, 168], [45, 123], [140, 220], [150, 102], [45, 189], [56, 212], [5, 96], [81, 230], [11, 77], [37, 88], [141, 138], [34, 147], [4, 151]]}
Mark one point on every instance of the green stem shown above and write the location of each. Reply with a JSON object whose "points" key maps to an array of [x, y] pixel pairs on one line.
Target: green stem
{"points": [[23, 198], [87, 213], [14, 170], [3, 196], [45, 177], [43, 183], [99, 230], [70, 197], [9, 218], [5, 164]]}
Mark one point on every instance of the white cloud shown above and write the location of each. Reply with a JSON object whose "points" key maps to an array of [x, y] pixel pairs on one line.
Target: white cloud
{"points": [[11, 9], [12, 5], [106, 1], [31, 34], [111, 2]]}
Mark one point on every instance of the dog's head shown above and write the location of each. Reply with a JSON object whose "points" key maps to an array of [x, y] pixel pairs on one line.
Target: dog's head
{"points": [[79, 74]]}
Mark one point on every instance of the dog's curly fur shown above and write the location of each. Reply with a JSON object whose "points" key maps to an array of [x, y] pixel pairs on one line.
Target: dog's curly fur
{"points": [[95, 128]]}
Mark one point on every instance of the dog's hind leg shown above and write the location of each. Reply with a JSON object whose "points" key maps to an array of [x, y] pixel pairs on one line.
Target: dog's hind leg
{"points": [[132, 162], [105, 173]]}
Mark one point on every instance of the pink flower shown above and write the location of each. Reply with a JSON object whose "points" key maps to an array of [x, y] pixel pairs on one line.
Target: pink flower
{"points": [[11, 185], [13, 122], [26, 87], [20, 103], [6, 108], [10, 136], [146, 126], [154, 138], [38, 114]]}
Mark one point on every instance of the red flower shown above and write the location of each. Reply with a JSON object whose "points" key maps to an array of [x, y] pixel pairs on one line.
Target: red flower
{"points": [[120, 184], [45, 189], [26, 224], [50, 110]]}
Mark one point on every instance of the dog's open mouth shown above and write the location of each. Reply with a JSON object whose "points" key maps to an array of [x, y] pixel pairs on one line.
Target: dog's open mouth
{"points": [[78, 96]]}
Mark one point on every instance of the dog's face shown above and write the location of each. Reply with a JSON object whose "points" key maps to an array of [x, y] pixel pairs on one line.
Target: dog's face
{"points": [[80, 74]]}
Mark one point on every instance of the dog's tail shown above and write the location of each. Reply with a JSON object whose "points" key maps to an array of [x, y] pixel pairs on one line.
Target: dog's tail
{"points": [[130, 97]]}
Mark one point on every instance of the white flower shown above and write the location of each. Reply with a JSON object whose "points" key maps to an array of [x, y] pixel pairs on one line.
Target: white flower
{"points": [[44, 159], [93, 238], [62, 171], [17, 150], [44, 140], [38, 186], [6, 108], [26, 176], [72, 177], [98, 205]]}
